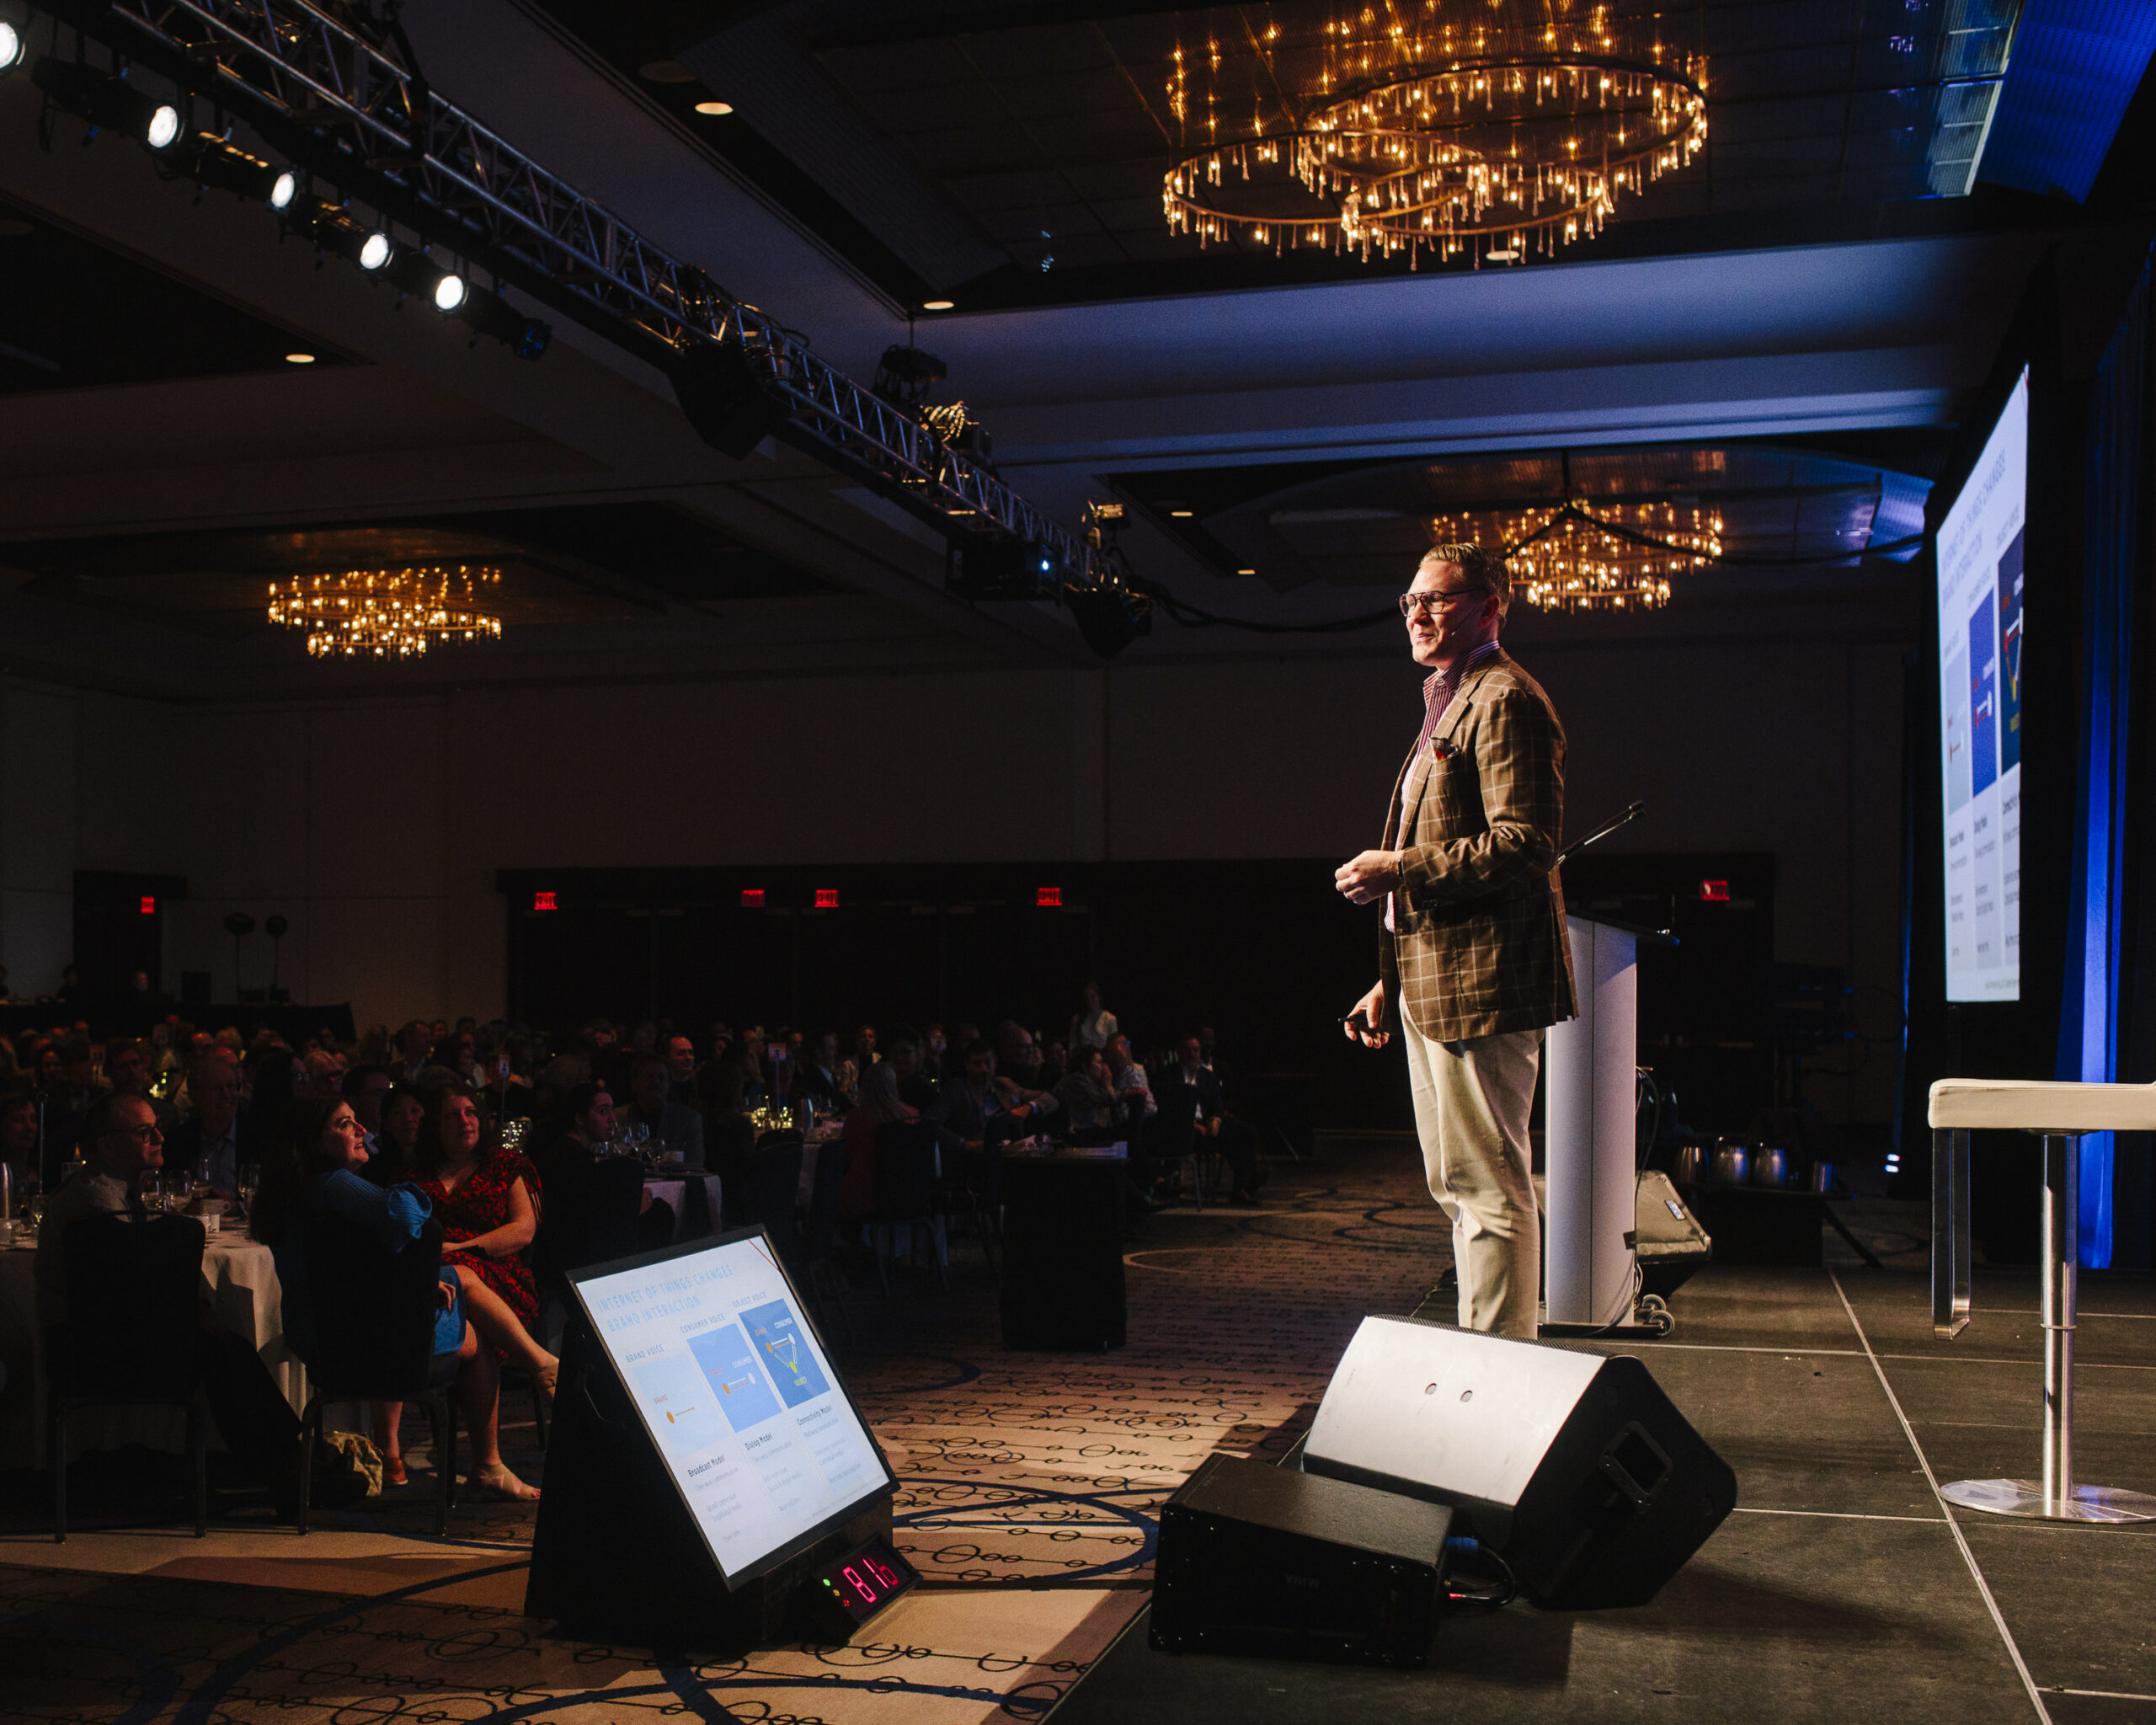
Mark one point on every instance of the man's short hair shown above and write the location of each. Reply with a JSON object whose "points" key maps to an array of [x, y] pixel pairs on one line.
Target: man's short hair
{"points": [[979, 1046], [354, 1080], [1484, 573], [104, 1116]]}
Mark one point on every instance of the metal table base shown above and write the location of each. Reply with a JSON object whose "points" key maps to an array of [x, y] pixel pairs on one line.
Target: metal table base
{"points": [[2055, 1497]]}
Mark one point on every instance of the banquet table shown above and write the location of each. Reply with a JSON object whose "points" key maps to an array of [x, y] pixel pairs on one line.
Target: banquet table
{"points": [[240, 1278], [670, 1189]]}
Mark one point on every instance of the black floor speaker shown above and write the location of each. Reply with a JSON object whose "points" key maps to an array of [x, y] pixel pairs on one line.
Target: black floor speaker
{"points": [[1267, 1562], [1576, 1469]]}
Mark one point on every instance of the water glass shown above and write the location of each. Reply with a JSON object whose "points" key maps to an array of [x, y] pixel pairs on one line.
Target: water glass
{"points": [[250, 1183]]}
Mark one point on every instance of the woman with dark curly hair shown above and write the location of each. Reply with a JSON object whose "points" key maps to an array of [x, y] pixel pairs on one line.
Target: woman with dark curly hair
{"points": [[488, 1199]]}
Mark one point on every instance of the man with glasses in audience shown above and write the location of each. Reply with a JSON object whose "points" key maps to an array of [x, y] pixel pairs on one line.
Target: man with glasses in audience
{"points": [[122, 1142], [1473, 961]]}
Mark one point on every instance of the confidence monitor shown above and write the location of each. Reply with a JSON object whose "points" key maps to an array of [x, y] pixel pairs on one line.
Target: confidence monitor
{"points": [[705, 1454], [1980, 555]]}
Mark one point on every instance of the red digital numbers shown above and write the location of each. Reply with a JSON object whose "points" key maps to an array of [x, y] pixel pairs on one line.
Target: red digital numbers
{"points": [[882, 1573], [868, 1594]]}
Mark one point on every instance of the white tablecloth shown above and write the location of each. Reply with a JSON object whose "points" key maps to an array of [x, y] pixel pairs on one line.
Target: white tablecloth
{"points": [[241, 1279], [665, 1191]]}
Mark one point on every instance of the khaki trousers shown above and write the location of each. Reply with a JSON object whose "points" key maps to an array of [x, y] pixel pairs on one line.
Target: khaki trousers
{"points": [[1472, 1100]]}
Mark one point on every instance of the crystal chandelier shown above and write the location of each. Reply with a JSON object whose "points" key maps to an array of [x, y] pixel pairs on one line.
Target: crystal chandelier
{"points": [[387, 613], [1483, 129], [1577, 557]]}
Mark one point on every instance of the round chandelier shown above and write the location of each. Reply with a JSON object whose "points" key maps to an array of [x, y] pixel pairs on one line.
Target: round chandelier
{"points": [[1576, 557], [1484, 131], [388, 613]]}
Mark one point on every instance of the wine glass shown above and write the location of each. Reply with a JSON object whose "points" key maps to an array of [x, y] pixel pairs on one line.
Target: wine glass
{"points": [[153, 1192], [250, 1181]]}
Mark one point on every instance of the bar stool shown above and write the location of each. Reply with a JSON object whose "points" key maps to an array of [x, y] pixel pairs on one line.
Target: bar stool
{"points": [[2058, 1114]]}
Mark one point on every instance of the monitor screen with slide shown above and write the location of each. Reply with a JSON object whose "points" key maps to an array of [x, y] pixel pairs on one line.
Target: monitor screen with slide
{"points": [[1980, 551], [731, 1381]]}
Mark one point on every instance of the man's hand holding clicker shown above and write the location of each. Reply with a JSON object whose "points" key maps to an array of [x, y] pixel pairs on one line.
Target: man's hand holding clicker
{"points": [[1365, 879]]}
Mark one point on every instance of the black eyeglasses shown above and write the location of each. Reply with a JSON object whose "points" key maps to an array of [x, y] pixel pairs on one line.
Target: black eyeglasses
{"points": [[1426, 604]]}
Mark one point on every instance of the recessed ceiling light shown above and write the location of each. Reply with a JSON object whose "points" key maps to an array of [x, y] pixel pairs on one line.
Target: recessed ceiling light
{"points": [[1246, 572], [937, 304], [1504, 257], [666, 72], [299, 359], [714, 107], [1183, 514]]}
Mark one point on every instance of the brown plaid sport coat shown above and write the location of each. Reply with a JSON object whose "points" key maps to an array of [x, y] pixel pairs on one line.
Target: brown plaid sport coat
{"points": [[1479, 945]]}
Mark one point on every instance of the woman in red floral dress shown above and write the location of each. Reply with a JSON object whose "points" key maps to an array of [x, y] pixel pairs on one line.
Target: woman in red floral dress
{"points": [[488, 1201]]}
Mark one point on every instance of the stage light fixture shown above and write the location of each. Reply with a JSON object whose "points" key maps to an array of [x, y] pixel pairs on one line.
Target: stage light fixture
{"points": [[376, 251], [11, 47], [210, 160], [449, 293], [1005, 569], [107, 101], [490, 314]]}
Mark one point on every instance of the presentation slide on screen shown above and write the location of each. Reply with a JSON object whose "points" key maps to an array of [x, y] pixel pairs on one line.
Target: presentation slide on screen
{"points": [[1980, 548], [739, 1399]]}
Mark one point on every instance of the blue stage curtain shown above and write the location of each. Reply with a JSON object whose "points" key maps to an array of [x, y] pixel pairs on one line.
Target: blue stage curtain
{"points": [[2096, 922]]}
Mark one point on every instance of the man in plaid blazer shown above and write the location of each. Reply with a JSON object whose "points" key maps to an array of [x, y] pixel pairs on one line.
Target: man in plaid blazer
{"points": [[1473, 963]]}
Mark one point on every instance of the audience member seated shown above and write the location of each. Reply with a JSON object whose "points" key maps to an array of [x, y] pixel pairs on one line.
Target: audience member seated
{"points": [[1128, 1079], [1187, 1082], [815, 1076], [318, 1169], [414, 1043], [587, 1128], [488, 1199], [219, 1137], [1017, 1057], [18, 1139], [1091, 1108], [1055, 1067], [681, 1088], [880, 1103], [69, 1097], [674, 1130], [916, 1089], [364, 1087], [127, 1071], [122, 1141], [986, 1111]]}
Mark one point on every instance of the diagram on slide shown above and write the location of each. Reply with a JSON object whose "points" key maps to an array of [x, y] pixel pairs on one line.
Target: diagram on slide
{"points": [[729, 1363], [786, 1352]]}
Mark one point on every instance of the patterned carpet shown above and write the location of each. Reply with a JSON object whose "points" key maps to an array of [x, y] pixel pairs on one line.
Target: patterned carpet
{"points": [[1030, 1485]]}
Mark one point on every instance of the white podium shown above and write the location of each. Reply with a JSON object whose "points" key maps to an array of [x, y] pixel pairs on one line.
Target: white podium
{"points": [[1589, 1152]]}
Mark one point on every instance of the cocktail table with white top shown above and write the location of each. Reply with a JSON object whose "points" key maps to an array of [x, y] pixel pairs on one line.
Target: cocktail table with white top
{"points": [[2058, 1113]]}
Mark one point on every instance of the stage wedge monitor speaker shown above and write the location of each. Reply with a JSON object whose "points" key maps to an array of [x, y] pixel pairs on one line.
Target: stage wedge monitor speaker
{"points": [[1267, 1562], [1576, 1469]]}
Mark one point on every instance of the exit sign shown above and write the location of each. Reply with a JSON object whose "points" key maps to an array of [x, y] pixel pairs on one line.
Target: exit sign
{"points": [[544, 901]]}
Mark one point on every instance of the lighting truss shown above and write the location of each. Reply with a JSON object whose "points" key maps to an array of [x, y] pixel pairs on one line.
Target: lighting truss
{"points": [[347, 109]]}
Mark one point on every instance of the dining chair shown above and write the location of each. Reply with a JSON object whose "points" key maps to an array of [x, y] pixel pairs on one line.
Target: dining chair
{"points": [[374, 1316], [130, 1339]]}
